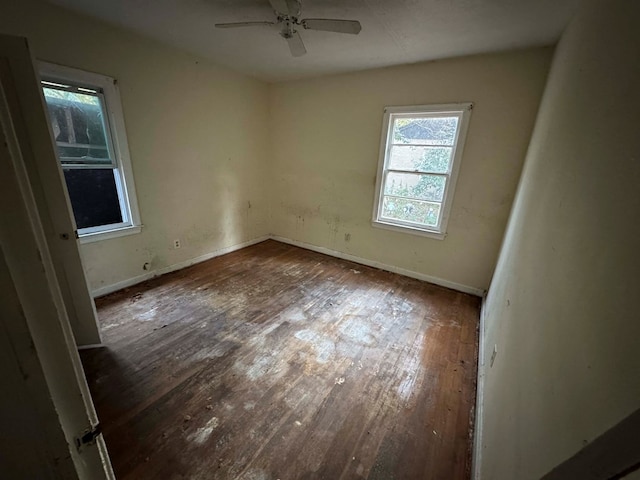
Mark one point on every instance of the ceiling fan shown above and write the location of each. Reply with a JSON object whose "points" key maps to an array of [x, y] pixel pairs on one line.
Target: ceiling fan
{"points": [[288, 18]]}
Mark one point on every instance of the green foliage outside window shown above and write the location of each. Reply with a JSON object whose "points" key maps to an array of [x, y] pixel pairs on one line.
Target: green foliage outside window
{"points": [[422, 147]]}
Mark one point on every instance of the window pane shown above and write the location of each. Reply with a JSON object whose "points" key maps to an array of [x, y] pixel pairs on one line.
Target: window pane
{"points": [[94, 196], [424, 187], [422, 159], [77, 121], [425, 131], [415, 211]]}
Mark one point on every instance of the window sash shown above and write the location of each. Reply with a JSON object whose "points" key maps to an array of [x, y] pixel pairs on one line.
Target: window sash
{"points": [[391, 158], [127, 220], [409, 223], [462, 112], [416, 172], [88, 166], [84, 82], [420, 145], [87, 162], [386, 170], [95, 163], [70, 87], [383, 188]]}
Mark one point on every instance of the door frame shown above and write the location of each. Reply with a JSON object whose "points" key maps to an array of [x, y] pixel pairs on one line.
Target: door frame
{"points": [[35, 311], [26, 105]]}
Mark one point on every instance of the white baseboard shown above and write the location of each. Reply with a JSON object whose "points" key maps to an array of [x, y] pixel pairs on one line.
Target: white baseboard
{"points": [[476, 460], [383, 266], [98, 292]]}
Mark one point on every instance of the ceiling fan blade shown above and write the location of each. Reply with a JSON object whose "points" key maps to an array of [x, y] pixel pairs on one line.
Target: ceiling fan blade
{"points": [[286, 7], [243, 24], [295, 44], [331, 25]]}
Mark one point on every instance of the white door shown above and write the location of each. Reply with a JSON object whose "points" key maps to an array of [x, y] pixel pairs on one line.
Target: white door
{"points": [[49, 425], [27, 111]]}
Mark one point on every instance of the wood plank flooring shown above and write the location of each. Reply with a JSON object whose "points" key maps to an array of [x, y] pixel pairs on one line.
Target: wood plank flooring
{"points": [[275, 362]]}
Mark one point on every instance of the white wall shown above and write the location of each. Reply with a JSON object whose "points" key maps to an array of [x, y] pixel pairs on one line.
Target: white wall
{"points": [[326, 137], [562, 306], [197, 137]]}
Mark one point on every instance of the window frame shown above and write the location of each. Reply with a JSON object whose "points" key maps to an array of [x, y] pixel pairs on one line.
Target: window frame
{"points": [[107, 91], [463, 111]]}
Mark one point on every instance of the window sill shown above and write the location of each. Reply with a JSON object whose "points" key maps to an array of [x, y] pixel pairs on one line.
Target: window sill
{"points": [[410, 230], [119, 232]]}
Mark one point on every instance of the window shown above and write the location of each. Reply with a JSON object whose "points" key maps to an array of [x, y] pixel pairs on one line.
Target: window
{"points": [[420, 155], [88, 128]]}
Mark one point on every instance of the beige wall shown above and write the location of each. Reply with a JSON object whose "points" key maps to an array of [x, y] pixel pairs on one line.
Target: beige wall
{"points": [[197, 137], [202, 140], [326, 137], [562, 306]]}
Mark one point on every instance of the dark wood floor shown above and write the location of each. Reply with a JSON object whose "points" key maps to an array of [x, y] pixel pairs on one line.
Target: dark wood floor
{"points": [[275, 362]]}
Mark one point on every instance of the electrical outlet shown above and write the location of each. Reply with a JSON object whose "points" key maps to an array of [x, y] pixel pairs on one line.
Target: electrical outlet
{"points": [[176, 243], [493, 355]]}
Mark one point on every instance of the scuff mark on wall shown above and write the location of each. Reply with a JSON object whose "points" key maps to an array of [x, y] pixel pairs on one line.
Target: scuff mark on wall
{"points": [[334, 225]]}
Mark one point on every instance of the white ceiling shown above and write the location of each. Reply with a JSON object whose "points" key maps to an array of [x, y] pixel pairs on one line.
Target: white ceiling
{"points": [[393, 31]]}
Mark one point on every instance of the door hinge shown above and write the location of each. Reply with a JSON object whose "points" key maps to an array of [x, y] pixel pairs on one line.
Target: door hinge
{"points": [[89, 436]]}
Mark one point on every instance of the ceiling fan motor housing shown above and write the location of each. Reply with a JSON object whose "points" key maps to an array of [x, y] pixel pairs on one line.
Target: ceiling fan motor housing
{"points": [[288, 15]]}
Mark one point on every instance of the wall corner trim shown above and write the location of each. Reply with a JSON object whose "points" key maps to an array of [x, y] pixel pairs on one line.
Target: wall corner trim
{"points": [[476, 456]]}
